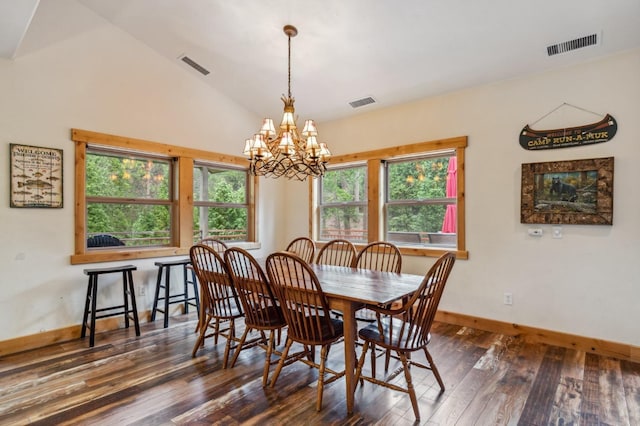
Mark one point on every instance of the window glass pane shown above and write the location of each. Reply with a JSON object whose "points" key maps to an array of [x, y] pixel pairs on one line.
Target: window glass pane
{"points": [[221, 207], [133, 224], [344, 185], [230, 223], [123, 177], [347, 222], [418, 224], [343, 204], [418, 179], [197, 184], [224, 223], [227, 186], [421, 201]]}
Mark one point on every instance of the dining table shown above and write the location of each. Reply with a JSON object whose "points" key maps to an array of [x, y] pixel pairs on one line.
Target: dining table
{"points": [[350, 289]]}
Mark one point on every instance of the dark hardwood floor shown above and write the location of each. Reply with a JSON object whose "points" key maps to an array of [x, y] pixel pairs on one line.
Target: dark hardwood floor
{"points": [[491, 379]]}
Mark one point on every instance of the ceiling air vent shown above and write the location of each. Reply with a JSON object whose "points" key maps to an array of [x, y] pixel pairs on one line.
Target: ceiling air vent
{"points": [[362, 102], [193, 64], [567, 46]]}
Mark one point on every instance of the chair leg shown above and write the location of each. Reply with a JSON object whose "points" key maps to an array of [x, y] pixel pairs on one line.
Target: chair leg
{"points": [[324, 353], [239, 347], [434, 368], [410, 389], [387, 358], [200, 341], [267, 361], [216, 332], [373, 360], [312, 353], [365, 347], [283, 357], [230, 338]]}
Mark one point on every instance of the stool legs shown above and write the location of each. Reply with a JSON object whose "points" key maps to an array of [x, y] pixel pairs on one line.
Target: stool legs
{"points": [[157, 294], [90, 307], [194, 283], [169, 299], [134, 307]]}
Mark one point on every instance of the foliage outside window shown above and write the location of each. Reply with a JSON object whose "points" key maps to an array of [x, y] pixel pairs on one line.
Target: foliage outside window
{"points": [[343, 204], [421, 201], [221, 203], [128, 197], [414, 197]]}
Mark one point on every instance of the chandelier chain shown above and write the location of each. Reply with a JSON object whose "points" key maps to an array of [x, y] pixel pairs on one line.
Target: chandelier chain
{"points": [[289, 69]]}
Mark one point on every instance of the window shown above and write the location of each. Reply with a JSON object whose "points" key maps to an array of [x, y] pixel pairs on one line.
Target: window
{"points": [[414, 198], [343, 204], [221, 203], [421, 198], [129, 200], [134, 199]]}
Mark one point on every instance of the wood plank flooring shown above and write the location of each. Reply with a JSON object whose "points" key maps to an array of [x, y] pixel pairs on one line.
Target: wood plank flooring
{"points": [[491, 379]]}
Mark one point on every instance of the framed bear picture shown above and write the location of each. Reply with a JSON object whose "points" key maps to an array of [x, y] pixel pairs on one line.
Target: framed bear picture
{"points": [[578, 192]]}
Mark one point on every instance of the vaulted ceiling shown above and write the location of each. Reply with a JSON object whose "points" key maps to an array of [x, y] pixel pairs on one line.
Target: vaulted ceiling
{"points": [[391, 51]]}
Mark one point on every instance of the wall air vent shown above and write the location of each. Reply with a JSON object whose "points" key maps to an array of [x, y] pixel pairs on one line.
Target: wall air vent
{"points": [[193, 64], [578, 43], [362, 102]]}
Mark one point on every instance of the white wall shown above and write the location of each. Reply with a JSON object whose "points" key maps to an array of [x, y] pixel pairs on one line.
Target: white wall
{"points": [[586, 283], [103, 81]]}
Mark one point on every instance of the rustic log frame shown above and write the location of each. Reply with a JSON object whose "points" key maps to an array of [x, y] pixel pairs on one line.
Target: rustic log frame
{"points": [[604, 194]]}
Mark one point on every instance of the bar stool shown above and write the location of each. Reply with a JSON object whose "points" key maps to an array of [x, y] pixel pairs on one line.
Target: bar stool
{"points": [[169, 298], [110, 311]]}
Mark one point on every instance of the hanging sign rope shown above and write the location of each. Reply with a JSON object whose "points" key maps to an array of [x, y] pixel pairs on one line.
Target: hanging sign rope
{"points": [[589, 134]]}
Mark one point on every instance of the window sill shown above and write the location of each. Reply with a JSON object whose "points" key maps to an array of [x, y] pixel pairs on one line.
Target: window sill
{"points": [[111, 255], [433, 252]]}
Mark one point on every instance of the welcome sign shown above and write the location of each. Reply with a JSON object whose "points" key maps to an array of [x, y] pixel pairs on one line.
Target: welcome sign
{"points": [[602, 131]]}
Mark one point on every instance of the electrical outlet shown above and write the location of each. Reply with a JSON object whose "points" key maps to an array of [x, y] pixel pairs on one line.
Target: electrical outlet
{"points": [[141, 290], [508, 299]]}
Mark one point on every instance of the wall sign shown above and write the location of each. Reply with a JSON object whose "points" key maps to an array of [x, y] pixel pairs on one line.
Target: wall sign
{"points": [[602, 131], [36, 176]]}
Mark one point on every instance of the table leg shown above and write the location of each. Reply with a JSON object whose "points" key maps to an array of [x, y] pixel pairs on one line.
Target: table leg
{"points": [[350, 332]]}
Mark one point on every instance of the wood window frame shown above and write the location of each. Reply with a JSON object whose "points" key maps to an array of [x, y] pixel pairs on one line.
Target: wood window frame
{"points": [[182, 228], [375, 191]]}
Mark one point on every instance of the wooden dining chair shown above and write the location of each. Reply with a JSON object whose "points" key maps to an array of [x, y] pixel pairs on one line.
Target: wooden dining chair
{"points": [[216, 244], [337, 252], [218, 299], [304, 247], [406, 330], [260, 306], [379, 256], [306, 312]]}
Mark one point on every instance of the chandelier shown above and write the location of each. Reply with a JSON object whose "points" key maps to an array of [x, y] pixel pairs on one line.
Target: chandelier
{"points": [[287, 152]]}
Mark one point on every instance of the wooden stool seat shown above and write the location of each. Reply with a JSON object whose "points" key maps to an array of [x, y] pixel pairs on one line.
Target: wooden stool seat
{"points": [[169, 298], [90, 308]]}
